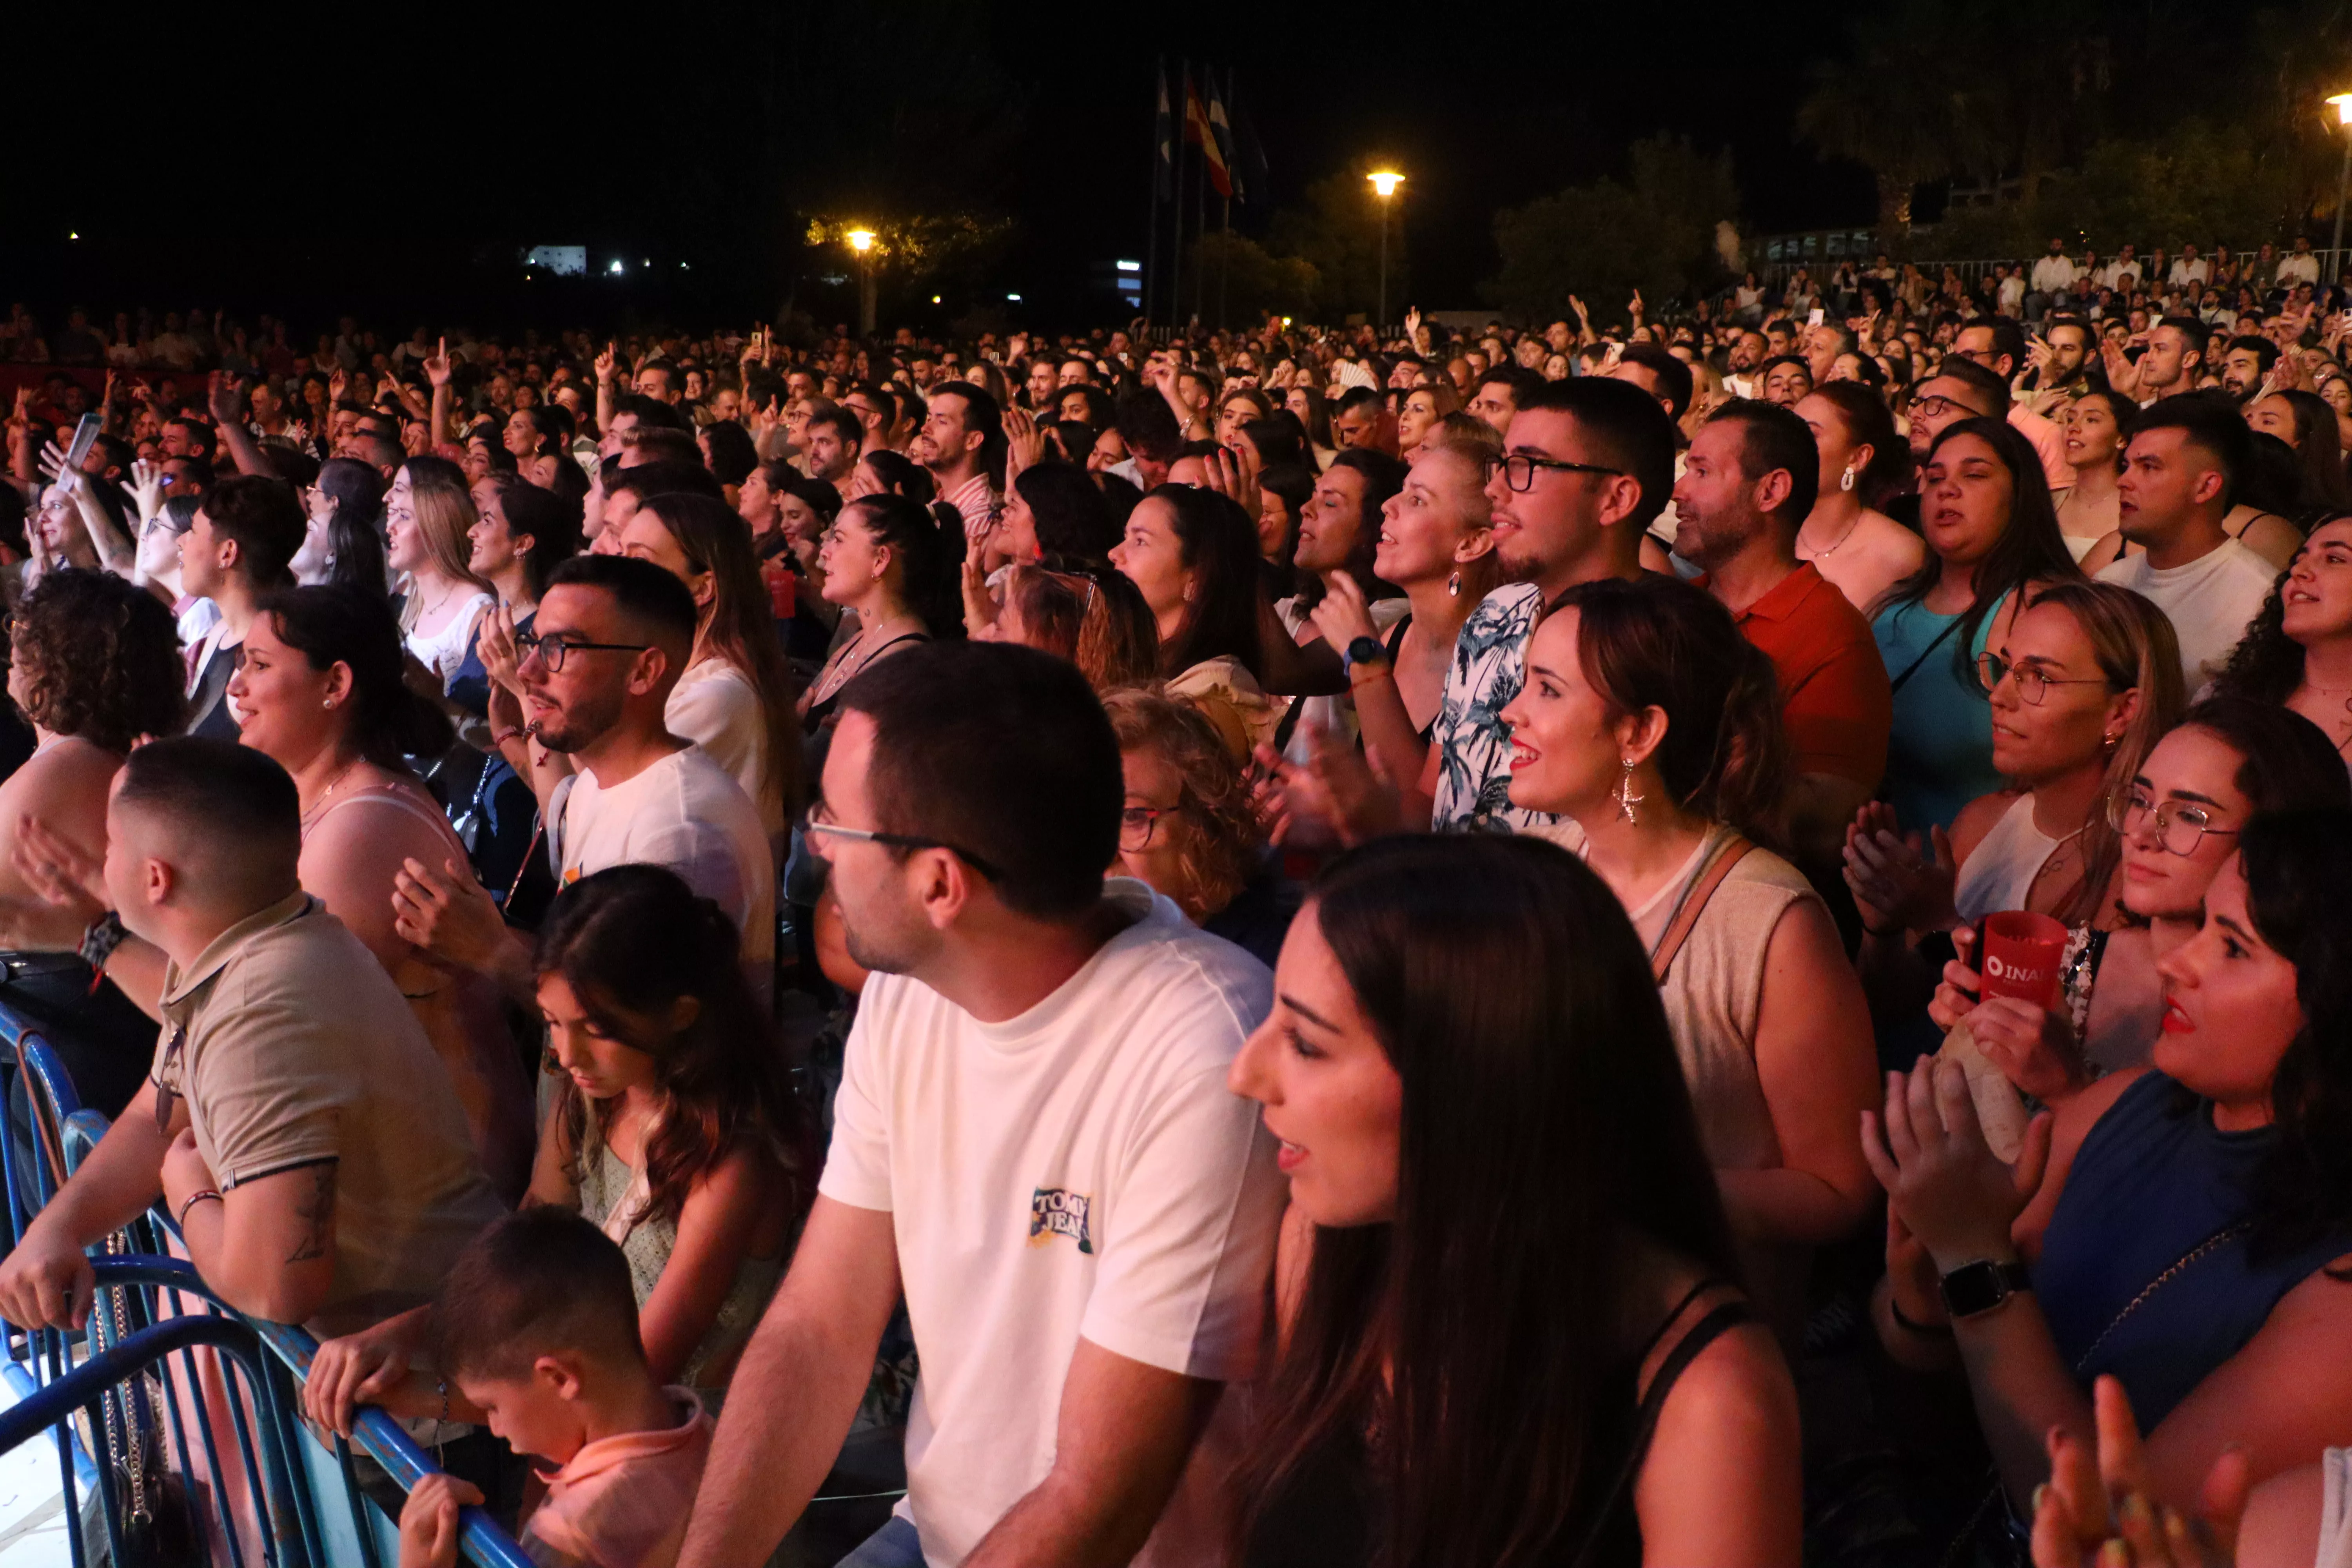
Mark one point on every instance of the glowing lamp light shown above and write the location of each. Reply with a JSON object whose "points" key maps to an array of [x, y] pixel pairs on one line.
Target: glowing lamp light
{"points": [[1385, 182], [861, 240], [617, 266], [2343, 102]]}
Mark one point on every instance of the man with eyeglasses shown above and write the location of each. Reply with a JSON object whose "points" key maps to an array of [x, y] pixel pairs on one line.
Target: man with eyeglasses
{"points": [[2180, 477], [1033, 1142], [1589, 463], [615, 786], [1998, 345]]}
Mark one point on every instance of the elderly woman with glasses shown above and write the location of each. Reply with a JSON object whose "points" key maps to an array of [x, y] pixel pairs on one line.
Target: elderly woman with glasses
{"points": [[1187, 827]]}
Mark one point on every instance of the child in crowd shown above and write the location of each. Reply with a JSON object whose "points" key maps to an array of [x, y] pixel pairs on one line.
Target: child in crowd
{"points": [[538, 1326]]}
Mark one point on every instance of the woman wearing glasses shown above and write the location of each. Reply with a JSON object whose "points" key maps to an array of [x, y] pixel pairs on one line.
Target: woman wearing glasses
{"points": [[2078, 690], [1187, 827], [2180, 819]]}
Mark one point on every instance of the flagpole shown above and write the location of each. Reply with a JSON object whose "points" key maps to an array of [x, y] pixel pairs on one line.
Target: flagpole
{"points": [[1200, 221], [1151, 224], [1226, 255], [1176, 198]]}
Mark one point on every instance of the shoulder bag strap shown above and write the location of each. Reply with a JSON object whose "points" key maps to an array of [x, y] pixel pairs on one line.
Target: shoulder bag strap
{"points": [[1729, 853], [1913, 668]]}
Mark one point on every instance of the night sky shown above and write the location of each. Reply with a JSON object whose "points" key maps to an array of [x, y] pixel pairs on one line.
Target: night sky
{"points": [[308, 159]]}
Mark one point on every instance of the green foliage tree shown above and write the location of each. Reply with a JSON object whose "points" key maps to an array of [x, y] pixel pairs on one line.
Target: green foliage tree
{"points": [[1337, 233], [1600, 241], [1251, 282]]}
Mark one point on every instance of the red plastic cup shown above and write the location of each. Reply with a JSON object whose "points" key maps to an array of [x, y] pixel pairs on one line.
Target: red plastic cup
{"points": [[2020, 954]]}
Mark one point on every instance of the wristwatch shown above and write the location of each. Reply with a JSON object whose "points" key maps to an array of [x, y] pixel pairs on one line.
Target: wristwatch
{"points": [[99, 943], [1364, 650], [1982, 1285]]}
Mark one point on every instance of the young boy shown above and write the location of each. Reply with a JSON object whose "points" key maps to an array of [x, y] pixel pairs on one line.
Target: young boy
{"points": [[538, 1326]]}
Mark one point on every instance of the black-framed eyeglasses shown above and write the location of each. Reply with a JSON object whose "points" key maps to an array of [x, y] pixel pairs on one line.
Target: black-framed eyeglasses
{"points": [[1518, 469], [1137, 824], [820, 821], [2033, 683], [554, 650], [2181, 827]]}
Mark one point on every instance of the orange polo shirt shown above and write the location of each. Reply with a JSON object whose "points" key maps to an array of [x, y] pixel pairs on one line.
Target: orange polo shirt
{"points": [[1835, 699]]}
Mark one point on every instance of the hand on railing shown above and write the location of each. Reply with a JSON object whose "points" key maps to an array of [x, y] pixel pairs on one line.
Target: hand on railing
{"points": [[429, 1524]]}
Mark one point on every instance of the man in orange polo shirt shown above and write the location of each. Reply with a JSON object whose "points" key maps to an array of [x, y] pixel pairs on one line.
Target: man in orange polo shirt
{"points": [[1750, 480]]}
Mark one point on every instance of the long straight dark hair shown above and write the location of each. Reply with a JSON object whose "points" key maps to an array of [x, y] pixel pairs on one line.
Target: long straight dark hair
{"points": [[1546, 1132], [2029, 550], [1216, 539]]}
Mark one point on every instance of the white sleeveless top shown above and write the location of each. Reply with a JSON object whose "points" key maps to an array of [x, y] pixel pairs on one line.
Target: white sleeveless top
{"points": [[445, 651], [1999, 871]]}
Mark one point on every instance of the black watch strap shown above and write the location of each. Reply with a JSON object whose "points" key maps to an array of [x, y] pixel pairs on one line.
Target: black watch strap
{"points": [[100, 940], [1982, 1285], [1364, 650]]}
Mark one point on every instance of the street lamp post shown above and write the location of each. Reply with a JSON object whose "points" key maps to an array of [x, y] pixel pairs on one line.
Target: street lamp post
{"points": [[2343, 102], [861, 240], [1384, 185]]}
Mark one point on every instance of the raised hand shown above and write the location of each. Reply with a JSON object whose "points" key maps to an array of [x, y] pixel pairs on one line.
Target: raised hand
{"points": [[146, 489], [1342, 615], [608, 364], [1024, 445], [437, 368]]}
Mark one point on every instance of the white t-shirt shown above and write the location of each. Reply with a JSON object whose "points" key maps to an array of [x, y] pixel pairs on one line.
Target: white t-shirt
{"points": [[716, 706], [2210, 602], [1078, 1170], [686, 812]]}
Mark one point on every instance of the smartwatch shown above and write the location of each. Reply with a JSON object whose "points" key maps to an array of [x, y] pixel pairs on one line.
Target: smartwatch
{"points": [[1364, 650], [1982, 1285], [99, 943]]}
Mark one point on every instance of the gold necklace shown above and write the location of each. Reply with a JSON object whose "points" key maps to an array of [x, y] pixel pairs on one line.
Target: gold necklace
{"points": [[318, 806]]}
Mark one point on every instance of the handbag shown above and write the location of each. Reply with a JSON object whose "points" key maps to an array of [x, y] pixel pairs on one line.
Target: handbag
{"points": [[155, 1522]]}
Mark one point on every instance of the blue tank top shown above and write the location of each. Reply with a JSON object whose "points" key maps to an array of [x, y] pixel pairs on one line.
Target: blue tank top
{"points": [[2154, 1181], [1939, 746]]}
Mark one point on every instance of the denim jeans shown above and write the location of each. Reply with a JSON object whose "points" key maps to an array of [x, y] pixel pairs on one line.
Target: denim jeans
{"points": [[894, 1546]]}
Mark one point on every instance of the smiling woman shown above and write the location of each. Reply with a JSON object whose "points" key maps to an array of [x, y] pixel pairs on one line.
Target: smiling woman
{"points": [[2298, 651]]}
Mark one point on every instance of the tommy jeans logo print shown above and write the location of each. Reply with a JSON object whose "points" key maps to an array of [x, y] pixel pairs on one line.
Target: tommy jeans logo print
{"points": [[1055, 1211]]}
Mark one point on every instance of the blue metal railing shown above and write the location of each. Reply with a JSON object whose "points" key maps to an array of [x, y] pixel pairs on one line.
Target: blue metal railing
{"points": [[276, 1457]]}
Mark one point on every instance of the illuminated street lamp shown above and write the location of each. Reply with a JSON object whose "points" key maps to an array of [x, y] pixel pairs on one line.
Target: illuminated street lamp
{"points": [[1384, 185], [2343, 102], [861, 240]]}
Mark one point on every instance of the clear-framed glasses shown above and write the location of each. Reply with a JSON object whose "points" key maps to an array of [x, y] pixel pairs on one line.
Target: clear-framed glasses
{"points": [[2034, 683], [1519, 469], [554, 650], [2181, 825], [821, 822]]}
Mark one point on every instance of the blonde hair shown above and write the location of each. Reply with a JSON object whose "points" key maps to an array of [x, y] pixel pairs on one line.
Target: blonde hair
{"points": [[2137, 650], [445, 513]]}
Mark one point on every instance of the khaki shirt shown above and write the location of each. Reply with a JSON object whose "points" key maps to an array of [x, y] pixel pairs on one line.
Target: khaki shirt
{"points": [[292, 1046]]}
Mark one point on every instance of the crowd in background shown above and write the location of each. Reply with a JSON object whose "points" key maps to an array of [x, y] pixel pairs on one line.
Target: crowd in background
{"points": [[1713, 937]]}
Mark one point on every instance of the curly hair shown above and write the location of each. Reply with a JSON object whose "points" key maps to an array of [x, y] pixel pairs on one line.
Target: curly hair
{"points": [[1218, 843], [2267, 665], [101, 659]]}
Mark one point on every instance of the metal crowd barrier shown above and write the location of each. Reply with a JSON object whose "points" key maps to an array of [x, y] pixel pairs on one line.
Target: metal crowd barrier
{"points": [[312, 1511]]}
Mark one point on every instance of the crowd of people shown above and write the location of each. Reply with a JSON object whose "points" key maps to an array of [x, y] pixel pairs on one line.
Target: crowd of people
{"points": [[1713, 939]]}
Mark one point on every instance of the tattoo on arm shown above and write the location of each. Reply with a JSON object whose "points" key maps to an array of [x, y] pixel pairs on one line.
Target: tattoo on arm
{"points": [[317, 1210]]}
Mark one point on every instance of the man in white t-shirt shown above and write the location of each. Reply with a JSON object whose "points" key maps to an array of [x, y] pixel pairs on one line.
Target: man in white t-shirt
{"points": [[612, 636], [2180, 473], [1033, 1138]]}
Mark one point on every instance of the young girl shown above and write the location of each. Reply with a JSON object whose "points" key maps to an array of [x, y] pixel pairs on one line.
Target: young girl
{"points": [[673, 1127]]}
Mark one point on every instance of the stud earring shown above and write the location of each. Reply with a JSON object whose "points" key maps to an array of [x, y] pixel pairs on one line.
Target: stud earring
{"points": [[1627, 798]]}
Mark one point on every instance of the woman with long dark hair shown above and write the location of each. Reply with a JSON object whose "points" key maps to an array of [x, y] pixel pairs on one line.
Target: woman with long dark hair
{"points": [[1194, 556], [344, 502], [1984, 509], [1859, 550], [2202, 1237], [1508, 1329], [2298, 650]]}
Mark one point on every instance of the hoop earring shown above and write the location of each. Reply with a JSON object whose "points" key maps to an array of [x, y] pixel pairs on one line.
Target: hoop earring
{"points": [[1845, 481], [1454, 585], [1627, 799]]}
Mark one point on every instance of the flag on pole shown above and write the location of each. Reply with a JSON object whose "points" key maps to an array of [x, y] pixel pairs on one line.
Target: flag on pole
{"points": [[1222, 166], [1249, 170], [1198, 132], [1163, 139]]}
